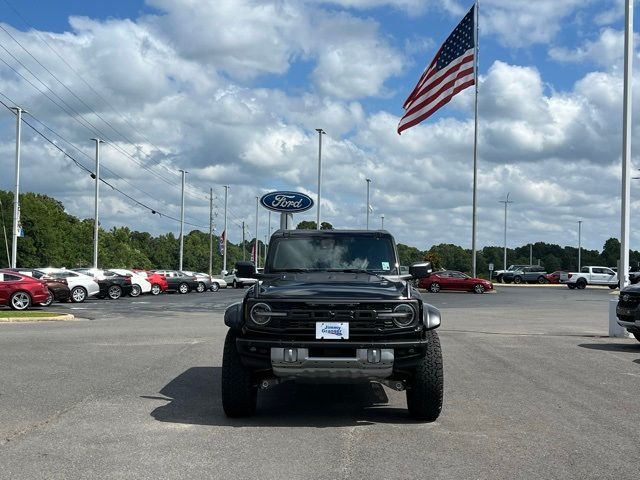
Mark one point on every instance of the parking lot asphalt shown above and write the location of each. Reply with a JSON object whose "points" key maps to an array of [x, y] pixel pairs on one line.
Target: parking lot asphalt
{"points": [[533, 390]]}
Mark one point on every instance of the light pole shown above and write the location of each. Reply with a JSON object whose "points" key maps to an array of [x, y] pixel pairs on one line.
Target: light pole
{"points": [[96, 203], [382, 222], [320, 133], [506, 204], [16, 193], [579, 244], [224, 243], [368, 206], [184, 172], [257, 257], [210, 231], [4, 229], [623, 270]]}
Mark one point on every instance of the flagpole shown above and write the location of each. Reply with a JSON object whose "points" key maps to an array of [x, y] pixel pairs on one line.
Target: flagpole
{"points": [[475, 145], [623, 268]]}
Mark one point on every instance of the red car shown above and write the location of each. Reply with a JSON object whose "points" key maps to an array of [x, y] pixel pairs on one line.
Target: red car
{"points": [[553, 277], [21, 291], [452, 280], [158, 282]]}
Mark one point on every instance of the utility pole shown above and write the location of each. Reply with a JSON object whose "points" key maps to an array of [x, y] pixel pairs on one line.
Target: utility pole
{"points": [[368, 206], [531, 254], [182, 221], [210, 231], [224, 243], [623, 271], [16, 192], [269, 231], [506, 204], [244, 245], [579, 244], [320, 133], [257, 259], [382, 222], [96, 203], [4, 229]]}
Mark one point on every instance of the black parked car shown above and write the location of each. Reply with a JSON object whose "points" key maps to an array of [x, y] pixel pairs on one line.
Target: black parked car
{"points": [[112, 285], [333, 305], [179, 281], [628, 310]]}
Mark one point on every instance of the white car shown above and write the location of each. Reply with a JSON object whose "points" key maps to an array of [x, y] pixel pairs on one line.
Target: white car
{"points": [[139, 282], [81, 286], [220, 282], [237, 282]]}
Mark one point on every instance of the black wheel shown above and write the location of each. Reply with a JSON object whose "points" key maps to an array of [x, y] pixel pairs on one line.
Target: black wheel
{"points": [[201, 287], [235, 284], [155, 289], [183, 288], [49, 300], [637, 335], [425, 391], [571, 286], [239, 391], [517, 279], [478, 288], [114, 292], [20, 301], [214, 287], [581, 284], [542, 279], [434, 287], [78, 294], [499, 279], [613, 287], [135, 290]]}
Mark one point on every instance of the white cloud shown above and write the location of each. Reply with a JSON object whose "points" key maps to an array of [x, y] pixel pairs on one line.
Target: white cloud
{"points": [[606, 51]]}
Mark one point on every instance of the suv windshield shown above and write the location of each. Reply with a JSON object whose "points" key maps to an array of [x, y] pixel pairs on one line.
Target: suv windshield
{"points": [[340, 252]]}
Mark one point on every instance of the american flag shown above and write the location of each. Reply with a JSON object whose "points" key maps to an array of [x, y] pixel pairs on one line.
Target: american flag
{"points": [[450, 72], [221, 242]]}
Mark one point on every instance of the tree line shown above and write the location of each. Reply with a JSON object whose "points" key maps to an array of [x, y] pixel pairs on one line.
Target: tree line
{"points": [[55, 238]]}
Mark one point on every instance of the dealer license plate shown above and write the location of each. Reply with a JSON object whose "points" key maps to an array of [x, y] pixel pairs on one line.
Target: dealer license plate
{"points": [[332, 330]]}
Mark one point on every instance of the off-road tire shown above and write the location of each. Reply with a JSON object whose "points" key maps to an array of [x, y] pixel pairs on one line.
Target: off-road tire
{"points": [[571, 286], [434, 287], [425, 391], [49, 299], [613, 287], [478, 288], [239, 390], [135, 290], [581, 284]]}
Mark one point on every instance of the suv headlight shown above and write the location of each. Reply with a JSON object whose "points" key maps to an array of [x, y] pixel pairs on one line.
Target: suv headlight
{"points": [[403, 315], [260, 313]]}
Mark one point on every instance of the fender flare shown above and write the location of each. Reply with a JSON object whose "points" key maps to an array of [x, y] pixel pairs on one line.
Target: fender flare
{"points": [[233, 316]]}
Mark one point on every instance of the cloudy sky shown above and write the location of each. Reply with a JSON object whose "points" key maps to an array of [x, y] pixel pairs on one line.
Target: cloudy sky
{"points": [[232, 91]]}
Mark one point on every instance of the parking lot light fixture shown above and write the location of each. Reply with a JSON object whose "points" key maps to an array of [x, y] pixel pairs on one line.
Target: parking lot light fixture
{"points": [[506, 204], [320, 133], [96, 203], [579, 244]]}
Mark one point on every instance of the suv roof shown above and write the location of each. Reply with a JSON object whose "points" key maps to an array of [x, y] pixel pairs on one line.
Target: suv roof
{"points": [[328, 233]]}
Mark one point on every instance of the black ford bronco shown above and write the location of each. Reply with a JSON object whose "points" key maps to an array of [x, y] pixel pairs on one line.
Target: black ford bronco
{"points": [[332, 305]]}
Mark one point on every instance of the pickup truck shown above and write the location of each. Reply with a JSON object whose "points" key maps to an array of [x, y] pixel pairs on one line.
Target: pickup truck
{"points": [[590, 276]]}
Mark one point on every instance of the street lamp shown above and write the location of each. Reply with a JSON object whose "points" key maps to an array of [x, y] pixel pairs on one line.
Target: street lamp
{"points": [[382, 222], [579, 243], [506, 204], [320, 133], [368, 204]]}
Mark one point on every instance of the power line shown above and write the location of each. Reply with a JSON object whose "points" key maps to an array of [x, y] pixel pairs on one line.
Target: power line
{"points": [[87, 170]]}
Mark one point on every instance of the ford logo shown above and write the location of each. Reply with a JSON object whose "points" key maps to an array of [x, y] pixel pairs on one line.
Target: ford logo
{"points": [[625, 297], [288, 202]]}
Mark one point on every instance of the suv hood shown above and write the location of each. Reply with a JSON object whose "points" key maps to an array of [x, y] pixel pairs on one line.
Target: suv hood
{"points": [[337, 285]]}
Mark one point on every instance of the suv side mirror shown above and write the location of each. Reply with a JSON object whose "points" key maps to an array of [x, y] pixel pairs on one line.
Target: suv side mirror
{"points": [[421, 270]]}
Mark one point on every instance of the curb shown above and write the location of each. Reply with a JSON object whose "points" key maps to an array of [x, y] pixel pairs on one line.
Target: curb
{"points": [[53, 318]]}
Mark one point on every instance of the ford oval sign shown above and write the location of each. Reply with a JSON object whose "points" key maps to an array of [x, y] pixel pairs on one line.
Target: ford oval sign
{"points": [[287, 202]]}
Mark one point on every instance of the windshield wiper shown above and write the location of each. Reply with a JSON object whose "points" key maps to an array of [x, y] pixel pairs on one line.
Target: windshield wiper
{"points": [[292, 270], [353, 270]]}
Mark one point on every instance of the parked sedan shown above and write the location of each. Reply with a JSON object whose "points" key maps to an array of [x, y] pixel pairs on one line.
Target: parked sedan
{"points": [[58, 288], [204, 280], [178, 281], [21, 291], [139, 282], [553, 277], [452, 280], [158, 281], [82, 286], [112, 285]]}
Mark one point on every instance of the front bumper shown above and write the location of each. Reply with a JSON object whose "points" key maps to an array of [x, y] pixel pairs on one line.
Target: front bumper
{"points": [[629, 318], [331, 359]]}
